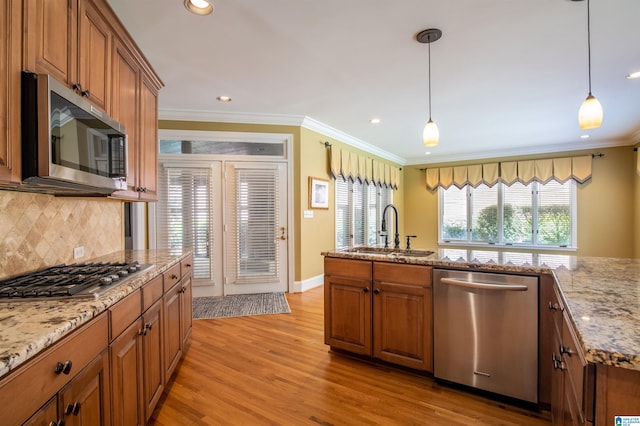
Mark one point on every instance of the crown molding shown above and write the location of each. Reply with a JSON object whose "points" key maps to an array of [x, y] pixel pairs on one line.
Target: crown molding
{"points": [[230, 117], [316, 126], [279, 120], [517, 152]]}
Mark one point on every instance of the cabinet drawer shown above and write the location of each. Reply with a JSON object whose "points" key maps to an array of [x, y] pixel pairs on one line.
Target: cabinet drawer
{"points": [[347, 267], [576, 365], [151, 292], [123, 313], [402, 274], [37, 381], [171, 277], [186, 265]]}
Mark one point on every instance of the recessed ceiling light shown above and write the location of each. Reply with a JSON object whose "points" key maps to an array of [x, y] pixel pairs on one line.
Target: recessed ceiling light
{"points": [[585, 136], [224, 98], [427, 153], [199, 7], [634, 75], [374, 121]]}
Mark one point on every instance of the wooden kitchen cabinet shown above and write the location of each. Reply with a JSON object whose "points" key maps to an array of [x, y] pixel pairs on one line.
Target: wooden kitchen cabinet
{"points": [[380, 309], [152, 361], [136, 354], [74, 370], [10, 68], [135, 104], [85, 400], [403, 315], [572, 378], [94, 56], [347, 304], [177, 327], [70, 40]]}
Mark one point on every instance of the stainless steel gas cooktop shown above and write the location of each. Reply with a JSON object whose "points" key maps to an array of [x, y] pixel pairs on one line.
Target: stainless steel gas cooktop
{"points": [[78, 280]]}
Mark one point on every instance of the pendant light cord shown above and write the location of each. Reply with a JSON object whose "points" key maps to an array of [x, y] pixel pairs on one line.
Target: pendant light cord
{"points": [[588, 45], [429, 46]]}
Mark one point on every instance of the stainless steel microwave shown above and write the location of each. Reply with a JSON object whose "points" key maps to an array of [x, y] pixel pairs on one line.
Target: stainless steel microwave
{"points": [[69, 147]]}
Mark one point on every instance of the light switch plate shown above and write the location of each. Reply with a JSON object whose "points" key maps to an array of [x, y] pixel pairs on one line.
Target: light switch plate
{"points": [[308, 214]]}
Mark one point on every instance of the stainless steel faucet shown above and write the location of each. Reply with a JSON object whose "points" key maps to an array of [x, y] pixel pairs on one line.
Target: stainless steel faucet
{"points": [[383, 227]]}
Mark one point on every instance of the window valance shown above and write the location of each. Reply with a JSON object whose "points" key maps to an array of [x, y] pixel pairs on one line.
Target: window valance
{"points": [[354, 166], [509, 172]]}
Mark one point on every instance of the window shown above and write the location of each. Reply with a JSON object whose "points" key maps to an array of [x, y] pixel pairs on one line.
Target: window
{"points": [[359, 209], [537, 214]]}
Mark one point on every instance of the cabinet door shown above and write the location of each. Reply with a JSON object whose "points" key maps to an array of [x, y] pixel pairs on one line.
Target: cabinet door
{"points": [[85, 400], [187, 310], [348, 314], [124, 108], [402, 325], [172, 336], [94, 55], [126, 376], [51, 38], [46, 416], [10, 51], [148, 163], [153, 367]]}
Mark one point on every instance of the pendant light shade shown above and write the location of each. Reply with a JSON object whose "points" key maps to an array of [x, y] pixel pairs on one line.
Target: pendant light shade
{"points": [[590, 114], [430, 134]]}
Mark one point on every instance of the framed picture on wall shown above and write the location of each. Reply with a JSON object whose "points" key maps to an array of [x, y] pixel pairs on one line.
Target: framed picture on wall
{"points": [[318, 193]]}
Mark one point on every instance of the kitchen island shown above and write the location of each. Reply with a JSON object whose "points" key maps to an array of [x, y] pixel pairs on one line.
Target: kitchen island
{"points": [[99, 348], [600, 299]]}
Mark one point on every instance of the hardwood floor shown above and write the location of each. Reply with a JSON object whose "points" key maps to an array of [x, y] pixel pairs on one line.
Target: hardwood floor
{"points": [[276, 370]]}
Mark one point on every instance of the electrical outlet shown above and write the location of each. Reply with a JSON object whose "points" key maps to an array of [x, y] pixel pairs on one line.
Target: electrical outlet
{"points": [[78, 252]]}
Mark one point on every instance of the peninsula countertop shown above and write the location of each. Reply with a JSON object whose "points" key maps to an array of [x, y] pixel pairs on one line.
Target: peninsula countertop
{"points": [[602, 295], [28, 327]]}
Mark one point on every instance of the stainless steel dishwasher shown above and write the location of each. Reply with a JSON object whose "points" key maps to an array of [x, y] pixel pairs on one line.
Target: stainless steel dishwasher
{"points": [[486, 331]]}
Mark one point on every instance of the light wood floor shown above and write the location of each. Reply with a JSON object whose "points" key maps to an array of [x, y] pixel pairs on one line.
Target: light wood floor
{"points": [[276, 370]]}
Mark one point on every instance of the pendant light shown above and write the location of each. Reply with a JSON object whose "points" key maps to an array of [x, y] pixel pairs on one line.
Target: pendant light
{"points": [[590, 114], [430, 135]]}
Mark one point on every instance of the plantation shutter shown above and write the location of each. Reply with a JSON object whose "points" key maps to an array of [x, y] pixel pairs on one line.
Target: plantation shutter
{"points": [[343, 213], [252, 224], [184, 214]]}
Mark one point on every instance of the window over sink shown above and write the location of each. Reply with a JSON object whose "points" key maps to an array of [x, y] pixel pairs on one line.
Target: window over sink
{"points": [[533, 215]]}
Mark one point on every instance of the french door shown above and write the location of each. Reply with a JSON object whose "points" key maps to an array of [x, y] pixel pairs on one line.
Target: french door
{"points": [[256, 229]]}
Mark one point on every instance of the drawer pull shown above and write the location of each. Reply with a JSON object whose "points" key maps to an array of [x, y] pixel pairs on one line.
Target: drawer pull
{"points": [[188, 265], [553, 306], [174, 277], [63, 368], [73, 408], [557, 362], [376, 291], [566, 350], [366, 289]]}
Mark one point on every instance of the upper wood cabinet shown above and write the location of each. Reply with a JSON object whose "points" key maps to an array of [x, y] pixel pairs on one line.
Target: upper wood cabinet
{"points": [[10, 67], [84, 45], [94, 57]]}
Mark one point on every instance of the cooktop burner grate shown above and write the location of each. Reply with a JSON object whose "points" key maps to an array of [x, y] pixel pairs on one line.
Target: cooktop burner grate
{"points": [[82, 279]]}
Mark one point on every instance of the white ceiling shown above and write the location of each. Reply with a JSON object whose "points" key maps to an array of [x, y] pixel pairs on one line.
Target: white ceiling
{"points": [[508, 76]]}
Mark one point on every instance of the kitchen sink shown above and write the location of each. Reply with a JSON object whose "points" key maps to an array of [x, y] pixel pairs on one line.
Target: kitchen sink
{"points": [[389, 252]]}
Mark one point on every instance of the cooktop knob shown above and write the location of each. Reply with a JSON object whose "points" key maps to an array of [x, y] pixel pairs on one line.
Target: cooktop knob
{"points": [[105, 280], [114, 277], [123, 272]]}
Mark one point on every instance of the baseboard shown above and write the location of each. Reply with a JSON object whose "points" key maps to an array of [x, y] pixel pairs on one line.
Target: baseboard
{"points": [[308, 284]]}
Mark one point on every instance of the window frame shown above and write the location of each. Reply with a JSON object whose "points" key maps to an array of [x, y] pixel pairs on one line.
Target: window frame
{"points": [[500, 243], [364, 207]]}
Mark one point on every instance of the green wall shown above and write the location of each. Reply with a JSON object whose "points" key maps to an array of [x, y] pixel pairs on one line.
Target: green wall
{"points": [[608, 204]]}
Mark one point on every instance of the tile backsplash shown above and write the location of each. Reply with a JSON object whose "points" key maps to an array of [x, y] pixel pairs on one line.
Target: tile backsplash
{"points": [[37, 230]]}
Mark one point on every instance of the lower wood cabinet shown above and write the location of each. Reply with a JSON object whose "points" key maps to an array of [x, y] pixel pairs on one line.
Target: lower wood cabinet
{"points": [[177, 310], [380, 309], [66, 384]]}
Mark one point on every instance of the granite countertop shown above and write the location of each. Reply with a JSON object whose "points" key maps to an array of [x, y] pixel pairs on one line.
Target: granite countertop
{"points": [[602, 295], [29, 326]]}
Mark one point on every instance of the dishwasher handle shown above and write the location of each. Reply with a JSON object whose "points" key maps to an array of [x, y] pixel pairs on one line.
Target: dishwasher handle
{"points": [[484, 286]]}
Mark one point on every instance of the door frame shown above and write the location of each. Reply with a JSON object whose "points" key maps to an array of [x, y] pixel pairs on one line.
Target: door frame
{"points": [[216, 136]]}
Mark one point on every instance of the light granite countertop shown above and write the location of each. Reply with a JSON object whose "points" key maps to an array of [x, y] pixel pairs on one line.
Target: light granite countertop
{"points": [[602, 295], [27, 327]]}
